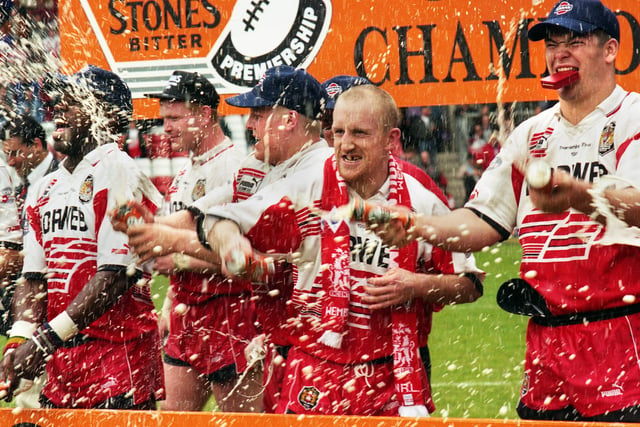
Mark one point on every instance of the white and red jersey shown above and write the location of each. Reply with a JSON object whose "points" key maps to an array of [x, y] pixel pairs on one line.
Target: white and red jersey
{"points": [[70, 237], [204, 174], [561, 255], [257, 178], [246, 182], [10, 229], [282, 219]]}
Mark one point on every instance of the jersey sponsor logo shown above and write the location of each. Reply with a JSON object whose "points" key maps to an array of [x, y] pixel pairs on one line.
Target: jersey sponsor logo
{"points": [[198, 189], [369, 251], [248, 184], [69, 218], [309, 397], [86, 190], [605, 145], [588, 171], [614, 392]]}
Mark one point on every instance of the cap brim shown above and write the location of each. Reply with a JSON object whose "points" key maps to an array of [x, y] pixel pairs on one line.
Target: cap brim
{"points": [[248, 100], [163, 96], [540, 30]]}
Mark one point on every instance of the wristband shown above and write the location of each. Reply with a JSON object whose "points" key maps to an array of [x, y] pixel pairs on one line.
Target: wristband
{"points": [[64, 326], [181, 262], [46, 339], [22, 328], [12, 344]]}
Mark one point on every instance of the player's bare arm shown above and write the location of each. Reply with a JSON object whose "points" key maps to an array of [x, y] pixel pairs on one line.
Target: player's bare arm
{"points": [[20, 359], [97, 296], [10, 264], [398, 286], [179, 261], [154, 240], [459, 231], [227, 242]]}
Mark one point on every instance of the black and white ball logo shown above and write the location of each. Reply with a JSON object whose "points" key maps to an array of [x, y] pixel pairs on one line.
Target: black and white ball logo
{"points": [[264, 34]]}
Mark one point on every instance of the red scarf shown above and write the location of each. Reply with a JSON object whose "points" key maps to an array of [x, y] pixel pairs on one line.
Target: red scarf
{"points": [[336, 285]]}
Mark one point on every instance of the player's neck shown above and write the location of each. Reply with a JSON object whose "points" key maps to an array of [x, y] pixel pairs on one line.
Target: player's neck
{"points": [[576, 109], [212, 139]]}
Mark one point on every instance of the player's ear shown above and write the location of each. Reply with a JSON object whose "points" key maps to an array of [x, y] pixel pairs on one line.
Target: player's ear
{"points": [[205, 111], [611, 48], [394, 138], [291, 119]]}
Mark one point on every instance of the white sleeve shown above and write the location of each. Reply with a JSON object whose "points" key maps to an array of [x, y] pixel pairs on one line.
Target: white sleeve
{"points": [[495, 197], [10, 230], [35, 262]]}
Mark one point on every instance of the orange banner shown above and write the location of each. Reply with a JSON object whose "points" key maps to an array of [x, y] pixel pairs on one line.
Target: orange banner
{"points": [[424, 52], [103, 418]]}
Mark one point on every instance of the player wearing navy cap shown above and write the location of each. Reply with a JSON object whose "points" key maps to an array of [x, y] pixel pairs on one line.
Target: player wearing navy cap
{"points": [[343, 360], [96, 327], [208, 320], [284, 107], [578, 254]]}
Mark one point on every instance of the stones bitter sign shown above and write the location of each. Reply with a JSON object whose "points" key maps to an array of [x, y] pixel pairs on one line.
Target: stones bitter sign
{"points": [[424, 52]]}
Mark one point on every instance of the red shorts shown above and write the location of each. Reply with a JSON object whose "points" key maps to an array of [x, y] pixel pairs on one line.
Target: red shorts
{"points": [[594, 367], [317, 386], [89, 374], [275, 365], [212, 335]]}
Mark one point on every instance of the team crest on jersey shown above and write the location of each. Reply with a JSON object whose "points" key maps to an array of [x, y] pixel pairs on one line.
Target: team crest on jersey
{"points": [[198, 189], [605, 145], [309, 397], [86, 189]]}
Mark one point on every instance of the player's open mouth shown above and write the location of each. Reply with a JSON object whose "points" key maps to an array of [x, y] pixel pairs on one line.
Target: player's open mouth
{"points": [[351, 158], [60, 123], [60, 127], [566, 68]]}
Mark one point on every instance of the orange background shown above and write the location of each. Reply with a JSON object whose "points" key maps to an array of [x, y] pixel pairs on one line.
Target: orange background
{"points": [[104, 418], [349, 18]]}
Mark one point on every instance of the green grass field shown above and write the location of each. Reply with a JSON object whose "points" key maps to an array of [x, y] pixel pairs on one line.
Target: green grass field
{"points": [[476, 349]]}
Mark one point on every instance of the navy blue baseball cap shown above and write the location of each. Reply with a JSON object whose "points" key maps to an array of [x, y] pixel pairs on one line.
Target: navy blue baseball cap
{"points": [[105, 85], [579, 16], [288, 87], [338, 84], [188, 87]]}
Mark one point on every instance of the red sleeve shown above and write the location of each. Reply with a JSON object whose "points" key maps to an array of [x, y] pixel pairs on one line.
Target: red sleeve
{"points": [[277, 229]]}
